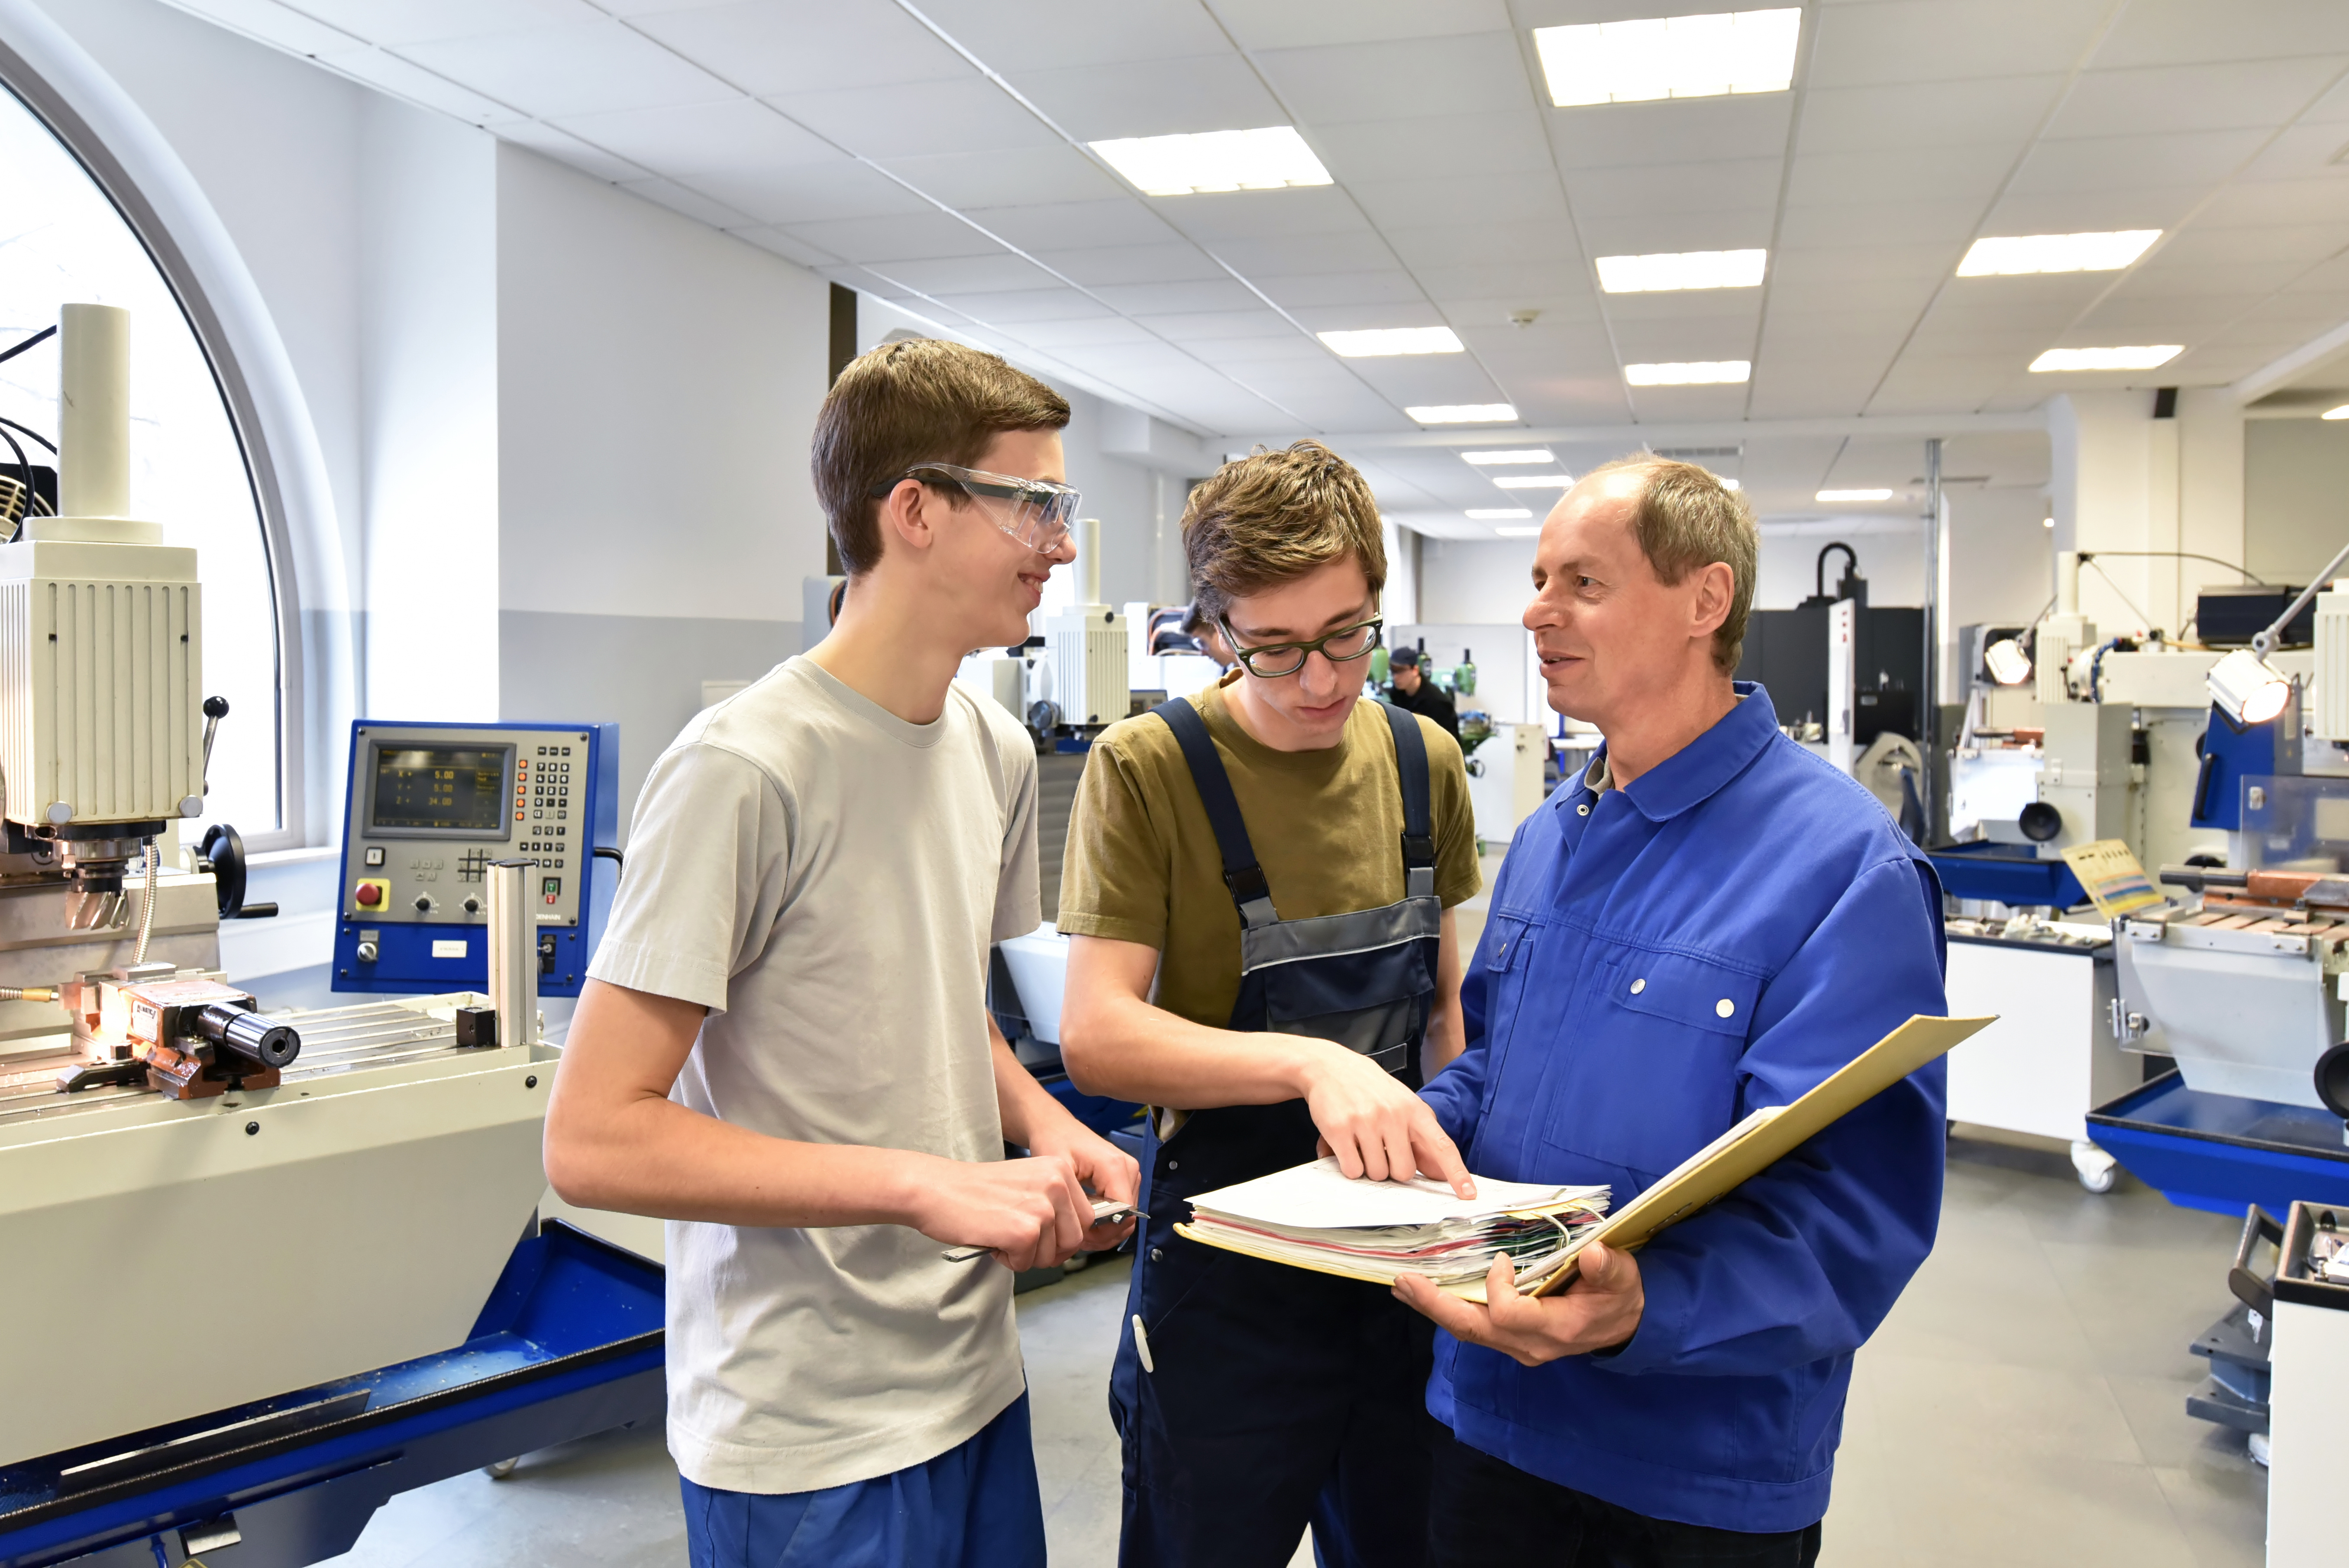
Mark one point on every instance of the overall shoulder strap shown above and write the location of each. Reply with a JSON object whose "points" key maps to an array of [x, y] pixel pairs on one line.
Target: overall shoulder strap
{"points": [[1242, 874], [1418, 827]]}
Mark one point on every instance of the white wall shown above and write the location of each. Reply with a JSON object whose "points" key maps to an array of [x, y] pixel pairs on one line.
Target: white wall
{"points": [[2001, 557], [657, 385], [1891, 553], [2295, 495], [1474, 582], [429, 413]]}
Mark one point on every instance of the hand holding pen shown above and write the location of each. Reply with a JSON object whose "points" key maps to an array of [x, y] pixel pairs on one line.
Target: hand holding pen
{"points": [[1106, 1211]]}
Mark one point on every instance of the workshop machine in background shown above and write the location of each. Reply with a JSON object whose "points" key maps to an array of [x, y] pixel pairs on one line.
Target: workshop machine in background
{"points": [[267, 1269], [428, 808]]}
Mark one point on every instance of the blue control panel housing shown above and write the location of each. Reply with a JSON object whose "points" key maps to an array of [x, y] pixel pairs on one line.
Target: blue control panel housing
{"points": [[427, 808]]}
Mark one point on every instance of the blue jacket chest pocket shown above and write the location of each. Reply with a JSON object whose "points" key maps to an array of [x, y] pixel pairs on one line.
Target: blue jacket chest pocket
{"points": [[1650, 1075]]}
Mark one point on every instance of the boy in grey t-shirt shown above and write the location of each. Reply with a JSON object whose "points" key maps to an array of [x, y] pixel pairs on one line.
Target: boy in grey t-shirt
{"points": [[783, 1047]]}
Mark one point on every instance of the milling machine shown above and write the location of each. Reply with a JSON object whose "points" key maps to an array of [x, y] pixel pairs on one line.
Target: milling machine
{"points": [[267, 1240]]}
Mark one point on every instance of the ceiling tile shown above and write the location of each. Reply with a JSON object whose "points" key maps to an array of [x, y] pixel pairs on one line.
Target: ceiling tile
{"points": [[576, 69], [2106, 165], [785, 246], [1685, 130], [2277, 203], [1311, 290], [1176, 298], [280, 26], [2258, 94], [1458, 247], [971, 115], [1087, 225], [994, 272], [2191, 32], [1966, 177], [1156, 97], [2076, 211], [1199, 325], [1911, 222], [738, 133], [1461, 198], [795, 193], [1264, 261], [1943, 40], [1041, 175], [766, 47], [430, 88], [910, 236], [1725, 185], [1503, 141], [1043, 34], [1295, 24], [1548, 285], [1021, 309], [1176, 262], [395, 23], [1466, 73], [1065, 333], [1287, 345], [1263, 214], [2001, 110], [2197, 245]]}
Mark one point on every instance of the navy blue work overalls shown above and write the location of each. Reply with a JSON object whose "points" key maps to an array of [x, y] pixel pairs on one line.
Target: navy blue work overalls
{"points": [[1273, 1397]]}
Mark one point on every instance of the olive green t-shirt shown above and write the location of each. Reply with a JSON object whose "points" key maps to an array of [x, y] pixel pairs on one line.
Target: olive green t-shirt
{"points": [[1141, 864]]}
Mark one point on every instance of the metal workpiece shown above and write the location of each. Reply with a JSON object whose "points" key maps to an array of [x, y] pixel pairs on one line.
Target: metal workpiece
{"points": [[514, 950]]}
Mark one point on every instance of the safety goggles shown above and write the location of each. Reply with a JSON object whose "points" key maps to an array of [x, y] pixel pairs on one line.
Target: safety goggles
{"points": [[1036, 512], [1276, 660]]}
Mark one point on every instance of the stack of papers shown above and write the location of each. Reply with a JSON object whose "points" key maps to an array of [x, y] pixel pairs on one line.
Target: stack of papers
{"points": [[1313, 1217]]}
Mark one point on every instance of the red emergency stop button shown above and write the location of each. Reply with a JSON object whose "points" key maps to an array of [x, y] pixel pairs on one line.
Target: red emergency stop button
{"points": [[371, 894]]}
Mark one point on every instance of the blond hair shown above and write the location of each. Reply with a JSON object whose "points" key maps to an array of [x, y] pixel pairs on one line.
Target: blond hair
{"points": [[1688, 519], [1272, 517]]}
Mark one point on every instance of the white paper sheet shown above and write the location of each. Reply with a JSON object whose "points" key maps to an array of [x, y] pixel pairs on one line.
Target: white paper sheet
{"points": [[1320, 1197]]}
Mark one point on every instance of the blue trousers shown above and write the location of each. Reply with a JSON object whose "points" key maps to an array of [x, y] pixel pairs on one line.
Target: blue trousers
{"points": [[974, 1506]]}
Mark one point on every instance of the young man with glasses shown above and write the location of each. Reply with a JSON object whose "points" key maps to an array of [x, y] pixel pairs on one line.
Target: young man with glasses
{"points": [[784, 1047], [1258, 888]]}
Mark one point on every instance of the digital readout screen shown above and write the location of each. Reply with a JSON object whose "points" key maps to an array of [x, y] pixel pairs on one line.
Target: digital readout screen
{"points": [[451, 789]]}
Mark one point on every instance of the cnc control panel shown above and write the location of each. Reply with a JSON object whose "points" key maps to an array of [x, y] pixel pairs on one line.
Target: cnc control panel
{"points": [[428, 808]]}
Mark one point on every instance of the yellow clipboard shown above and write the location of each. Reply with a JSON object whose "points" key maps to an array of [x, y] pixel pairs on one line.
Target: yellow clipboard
{"points": [[1745, 1150]]}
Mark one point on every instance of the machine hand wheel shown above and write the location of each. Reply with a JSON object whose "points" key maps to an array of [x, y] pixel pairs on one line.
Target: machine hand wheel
{"points": [[223, 850], [2332, 1079]]}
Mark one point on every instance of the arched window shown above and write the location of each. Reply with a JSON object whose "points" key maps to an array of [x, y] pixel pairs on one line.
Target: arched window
{"points": [[62, 239]]}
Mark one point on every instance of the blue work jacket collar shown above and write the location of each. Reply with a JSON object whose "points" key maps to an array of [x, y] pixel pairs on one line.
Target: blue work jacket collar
{"points": [[1690, 777]]}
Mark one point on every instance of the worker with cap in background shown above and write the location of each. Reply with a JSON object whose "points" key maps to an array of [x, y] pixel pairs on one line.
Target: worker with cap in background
{"points": [[1414, 692]]}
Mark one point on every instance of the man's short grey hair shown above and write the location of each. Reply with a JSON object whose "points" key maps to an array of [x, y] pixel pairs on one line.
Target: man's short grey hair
{"points": [[1689, 519]]}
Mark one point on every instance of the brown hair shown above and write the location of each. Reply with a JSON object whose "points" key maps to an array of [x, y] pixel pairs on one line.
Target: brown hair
{"points": [[921, 399], [1272, 516], [1688, 519]]}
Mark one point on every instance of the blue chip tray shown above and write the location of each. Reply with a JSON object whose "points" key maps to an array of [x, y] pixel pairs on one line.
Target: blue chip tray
{"points": [[2013, 874]]}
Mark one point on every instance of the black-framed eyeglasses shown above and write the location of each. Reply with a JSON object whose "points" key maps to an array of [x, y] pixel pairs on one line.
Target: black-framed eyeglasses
{"points": [[1036, 512], [1276, 660]]}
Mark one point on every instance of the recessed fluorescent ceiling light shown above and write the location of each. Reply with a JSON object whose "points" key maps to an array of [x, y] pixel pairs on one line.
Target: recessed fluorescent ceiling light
{"points": [[1462, 414], [2055, 253], [1382, 341], [1533, 481], [2144, 356], [1855, 495], [1695, 373], [2339, 413], [1494, 514], [1263, 160], [1523, 454], [1681, 269], [1519, 533], [1670, 56]]}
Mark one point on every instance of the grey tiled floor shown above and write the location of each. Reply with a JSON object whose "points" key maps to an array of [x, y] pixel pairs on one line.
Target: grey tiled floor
{"points": [[2023, 1405]]}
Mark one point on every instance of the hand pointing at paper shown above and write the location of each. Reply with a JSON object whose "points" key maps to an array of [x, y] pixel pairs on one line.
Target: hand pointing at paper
{"points": [[1599, 1309]]}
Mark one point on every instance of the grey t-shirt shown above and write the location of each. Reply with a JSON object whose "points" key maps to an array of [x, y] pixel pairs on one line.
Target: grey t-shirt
{"points": [[826, 879]]}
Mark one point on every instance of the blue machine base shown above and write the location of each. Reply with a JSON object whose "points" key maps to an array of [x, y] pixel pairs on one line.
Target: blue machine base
{"points": [[2222, 1153], [2011, 874], [569, 1344]]}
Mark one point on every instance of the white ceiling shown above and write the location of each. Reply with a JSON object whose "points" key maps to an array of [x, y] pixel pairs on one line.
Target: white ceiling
{"points": [[932, 154]]}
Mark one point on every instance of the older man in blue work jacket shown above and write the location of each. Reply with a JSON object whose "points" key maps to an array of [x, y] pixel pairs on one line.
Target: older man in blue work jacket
{"points": [[1708, 920]]}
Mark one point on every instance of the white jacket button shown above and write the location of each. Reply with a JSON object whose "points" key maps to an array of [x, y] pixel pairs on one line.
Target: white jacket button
{"points": [[1724, 1007]]}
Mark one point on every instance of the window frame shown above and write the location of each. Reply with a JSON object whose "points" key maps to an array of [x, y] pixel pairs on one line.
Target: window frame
{"points": [[51, 107]]}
